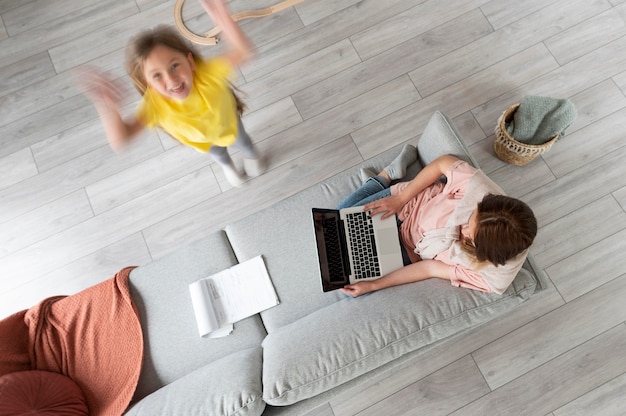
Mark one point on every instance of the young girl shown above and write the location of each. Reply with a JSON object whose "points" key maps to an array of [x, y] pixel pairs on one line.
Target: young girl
{"points": [[183, 94], [464, 231]]}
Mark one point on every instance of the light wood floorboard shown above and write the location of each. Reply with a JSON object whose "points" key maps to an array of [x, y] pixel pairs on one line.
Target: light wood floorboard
{"points": [[333, 84]]}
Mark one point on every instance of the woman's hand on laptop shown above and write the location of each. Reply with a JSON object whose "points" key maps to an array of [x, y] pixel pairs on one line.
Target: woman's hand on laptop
{"points": [[414, 272], [387, 206], [358, 289]]}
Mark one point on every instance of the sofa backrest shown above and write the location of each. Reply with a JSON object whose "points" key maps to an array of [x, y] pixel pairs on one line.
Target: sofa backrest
{"points": [[441, 137]]}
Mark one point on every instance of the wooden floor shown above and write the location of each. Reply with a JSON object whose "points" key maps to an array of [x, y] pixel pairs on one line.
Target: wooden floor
{"points": [[334, 83]]}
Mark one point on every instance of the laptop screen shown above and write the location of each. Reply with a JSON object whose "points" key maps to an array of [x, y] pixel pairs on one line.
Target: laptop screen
{"points": [[331, 249]]}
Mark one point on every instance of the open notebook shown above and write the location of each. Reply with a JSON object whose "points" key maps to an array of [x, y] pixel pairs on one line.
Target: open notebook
{"points": [[231, 295]]}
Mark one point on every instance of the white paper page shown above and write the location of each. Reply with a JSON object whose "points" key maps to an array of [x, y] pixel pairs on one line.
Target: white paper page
{"points": [[221, 332], [242, 291], [202, 307]]}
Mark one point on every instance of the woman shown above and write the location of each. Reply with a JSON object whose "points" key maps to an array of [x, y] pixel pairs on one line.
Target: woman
{"points": [[463, 230]]}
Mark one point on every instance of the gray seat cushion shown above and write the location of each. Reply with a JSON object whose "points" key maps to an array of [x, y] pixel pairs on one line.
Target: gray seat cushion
{"points": [[172, 345], [284, 235]]}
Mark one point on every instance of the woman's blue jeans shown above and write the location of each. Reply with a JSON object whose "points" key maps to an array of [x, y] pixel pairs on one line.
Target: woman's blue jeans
{"points": [[372, 189]]}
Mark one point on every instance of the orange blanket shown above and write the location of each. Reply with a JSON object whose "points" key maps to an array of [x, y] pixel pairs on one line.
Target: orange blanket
{"points": [[94, 337]]}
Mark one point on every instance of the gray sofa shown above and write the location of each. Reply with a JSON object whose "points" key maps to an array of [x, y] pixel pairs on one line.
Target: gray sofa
{"points": [[313, 345]]}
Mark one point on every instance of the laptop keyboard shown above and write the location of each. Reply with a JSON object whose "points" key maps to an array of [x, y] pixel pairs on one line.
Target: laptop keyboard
{"points": [[364, 254]]}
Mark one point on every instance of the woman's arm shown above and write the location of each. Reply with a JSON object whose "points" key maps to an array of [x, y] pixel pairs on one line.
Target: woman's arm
{"points": [[393, 204], [414, 272], [105, 95], [239, 42]]}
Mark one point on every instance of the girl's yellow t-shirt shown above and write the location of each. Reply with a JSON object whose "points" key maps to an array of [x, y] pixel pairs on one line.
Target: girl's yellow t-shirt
{"points": [[207, 116]]}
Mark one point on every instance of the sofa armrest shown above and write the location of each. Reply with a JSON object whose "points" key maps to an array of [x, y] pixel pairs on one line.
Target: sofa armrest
{"points": [[347, 339], [229, 386], [440, 137]]}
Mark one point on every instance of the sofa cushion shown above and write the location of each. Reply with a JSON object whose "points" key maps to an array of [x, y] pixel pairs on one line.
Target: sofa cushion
{"points": [[40, 393], [284, 235], [172, 345], [355, 335], [227, 387], [294, 240]]}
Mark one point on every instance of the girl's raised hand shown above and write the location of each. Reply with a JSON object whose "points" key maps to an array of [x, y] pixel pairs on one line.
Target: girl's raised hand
{"points": [[216, 9], [240, 45], [106, 95], [98, 87]]}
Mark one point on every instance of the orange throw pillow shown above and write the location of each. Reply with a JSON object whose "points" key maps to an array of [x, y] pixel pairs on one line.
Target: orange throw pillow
{"points": [[40, 393]]}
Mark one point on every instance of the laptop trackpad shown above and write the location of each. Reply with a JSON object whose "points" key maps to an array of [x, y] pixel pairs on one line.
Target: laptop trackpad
{"points": [[387, 240]]}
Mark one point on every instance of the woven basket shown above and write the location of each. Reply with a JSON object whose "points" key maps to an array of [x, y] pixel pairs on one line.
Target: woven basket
{"points": [[510, 150]]}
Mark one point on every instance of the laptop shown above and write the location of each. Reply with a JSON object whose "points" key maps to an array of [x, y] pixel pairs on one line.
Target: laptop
{"points": [[352, 246]]}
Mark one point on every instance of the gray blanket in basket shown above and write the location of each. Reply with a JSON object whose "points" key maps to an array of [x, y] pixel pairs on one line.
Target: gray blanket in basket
{"points": [[539, 119]]}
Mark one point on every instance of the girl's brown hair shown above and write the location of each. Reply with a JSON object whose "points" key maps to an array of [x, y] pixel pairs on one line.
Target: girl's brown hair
{"points": [[505, 227], [140, 47]]}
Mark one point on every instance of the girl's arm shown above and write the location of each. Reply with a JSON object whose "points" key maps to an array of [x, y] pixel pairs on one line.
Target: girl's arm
{"points": [[105, 96], [239, 42], [393, 204], [414, 272]]}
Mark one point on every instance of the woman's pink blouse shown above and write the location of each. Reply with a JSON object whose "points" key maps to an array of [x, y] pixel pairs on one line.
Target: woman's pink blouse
{"points": [[431, 210]]}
